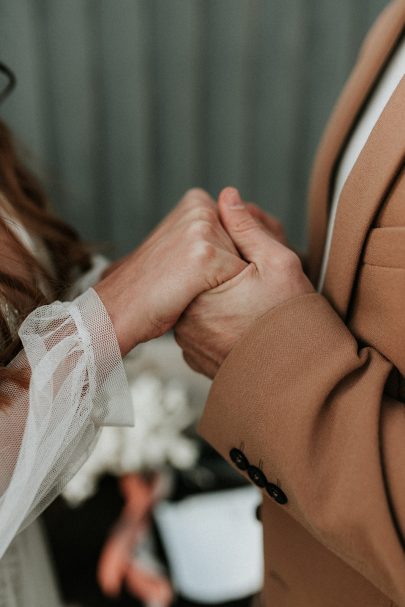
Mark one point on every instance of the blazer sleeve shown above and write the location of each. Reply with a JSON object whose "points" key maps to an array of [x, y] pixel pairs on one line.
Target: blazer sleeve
{"points": [[301, 401]]}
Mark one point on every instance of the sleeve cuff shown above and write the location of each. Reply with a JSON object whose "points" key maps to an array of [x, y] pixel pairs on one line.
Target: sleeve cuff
{"points": [[113, 406]]}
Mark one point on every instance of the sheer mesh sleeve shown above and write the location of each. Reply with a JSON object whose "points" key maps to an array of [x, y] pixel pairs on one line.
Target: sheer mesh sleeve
{"points": [[77, 383]]}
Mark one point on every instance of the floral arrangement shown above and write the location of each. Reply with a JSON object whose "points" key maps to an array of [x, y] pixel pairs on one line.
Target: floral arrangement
{"points": [[163, 413]]}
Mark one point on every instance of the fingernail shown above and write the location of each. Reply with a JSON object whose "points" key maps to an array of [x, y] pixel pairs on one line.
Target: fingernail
{"points": [[233, 199]]}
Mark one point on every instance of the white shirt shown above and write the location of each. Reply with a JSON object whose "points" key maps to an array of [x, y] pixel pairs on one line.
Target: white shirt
{"points": [[384, 90]]}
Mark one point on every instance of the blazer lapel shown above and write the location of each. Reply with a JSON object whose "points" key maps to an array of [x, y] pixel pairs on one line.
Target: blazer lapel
{"points": [[366, 188], [376, 53]]}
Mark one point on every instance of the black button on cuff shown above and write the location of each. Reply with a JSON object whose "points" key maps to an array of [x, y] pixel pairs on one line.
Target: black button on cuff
{"points": [[276, 493], [257, 476], [239, 459]]}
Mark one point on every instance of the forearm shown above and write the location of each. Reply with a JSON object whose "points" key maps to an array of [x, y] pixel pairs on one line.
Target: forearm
{"points": [[303, 399]]}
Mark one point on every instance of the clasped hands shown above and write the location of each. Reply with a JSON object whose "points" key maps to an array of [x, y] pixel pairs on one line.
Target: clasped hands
{"points": [[207, 270]]}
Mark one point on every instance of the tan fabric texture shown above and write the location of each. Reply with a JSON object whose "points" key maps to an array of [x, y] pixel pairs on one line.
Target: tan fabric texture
{"points": [[314, 393]]}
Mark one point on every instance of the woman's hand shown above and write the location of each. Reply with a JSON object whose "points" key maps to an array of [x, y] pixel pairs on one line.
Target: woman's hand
{"points": [[187, 254]]}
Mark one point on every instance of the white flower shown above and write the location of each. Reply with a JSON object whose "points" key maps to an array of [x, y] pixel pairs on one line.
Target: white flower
{"points": [[162, 413]]}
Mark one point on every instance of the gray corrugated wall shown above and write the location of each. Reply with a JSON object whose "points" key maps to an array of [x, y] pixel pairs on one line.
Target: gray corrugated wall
{"points": [[124, 104]]}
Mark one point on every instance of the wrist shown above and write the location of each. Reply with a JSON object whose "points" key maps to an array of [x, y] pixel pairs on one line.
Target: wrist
{"points": [[120, 296], [117, 311]]}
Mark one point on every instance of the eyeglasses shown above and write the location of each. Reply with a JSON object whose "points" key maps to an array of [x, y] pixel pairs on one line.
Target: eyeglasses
{"points": [[5, 71]]}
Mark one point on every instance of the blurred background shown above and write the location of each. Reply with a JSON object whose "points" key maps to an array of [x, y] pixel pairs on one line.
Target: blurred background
{"points": [[121, 106], [124, 104]]}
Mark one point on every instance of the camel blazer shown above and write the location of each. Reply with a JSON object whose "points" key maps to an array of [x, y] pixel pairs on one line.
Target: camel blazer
{"points": [[309, 405]]}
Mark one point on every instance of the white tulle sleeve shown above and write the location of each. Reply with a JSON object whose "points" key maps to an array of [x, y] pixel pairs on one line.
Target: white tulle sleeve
{"points": [[77, 383]]}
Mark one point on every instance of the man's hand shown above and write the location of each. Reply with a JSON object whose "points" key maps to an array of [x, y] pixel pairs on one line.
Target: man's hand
{"points": [[274, 227], [271, 224], [215, 321]]}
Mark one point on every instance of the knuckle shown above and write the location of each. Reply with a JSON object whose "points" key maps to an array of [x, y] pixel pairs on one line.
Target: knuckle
{"points": [[199, 230], [203, 251], [208, 214], [197, 196], [287, 261]]}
